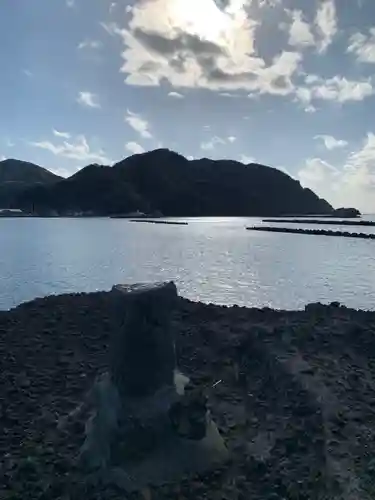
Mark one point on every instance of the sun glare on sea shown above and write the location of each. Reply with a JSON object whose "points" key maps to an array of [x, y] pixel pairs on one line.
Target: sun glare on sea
{"points": [[204, 17]]}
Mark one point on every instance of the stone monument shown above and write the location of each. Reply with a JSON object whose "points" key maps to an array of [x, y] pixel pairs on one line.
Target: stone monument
{"points": [[147, 423]]}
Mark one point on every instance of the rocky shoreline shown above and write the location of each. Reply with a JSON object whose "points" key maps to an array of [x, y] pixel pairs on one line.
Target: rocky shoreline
{"points": [[295, 399]]}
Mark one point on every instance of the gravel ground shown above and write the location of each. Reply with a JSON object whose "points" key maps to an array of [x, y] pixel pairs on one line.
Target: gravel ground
{"points": [[295, 403]]}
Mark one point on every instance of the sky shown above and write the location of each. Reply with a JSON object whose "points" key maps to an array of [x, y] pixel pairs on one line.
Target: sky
{"points": [[285, 83]]}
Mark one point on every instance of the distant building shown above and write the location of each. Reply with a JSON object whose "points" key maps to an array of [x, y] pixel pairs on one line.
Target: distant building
{"points": [[10, 212]]}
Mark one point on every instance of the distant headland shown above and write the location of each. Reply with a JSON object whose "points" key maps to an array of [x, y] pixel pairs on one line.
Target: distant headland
{"points": [[160, 182]]}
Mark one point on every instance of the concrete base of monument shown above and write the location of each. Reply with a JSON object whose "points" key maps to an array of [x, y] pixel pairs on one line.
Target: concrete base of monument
{"points": [[173, 459], [131, 443]]}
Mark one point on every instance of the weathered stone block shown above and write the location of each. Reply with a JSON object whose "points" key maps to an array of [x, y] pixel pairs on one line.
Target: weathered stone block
{"points": [[142, 353]]}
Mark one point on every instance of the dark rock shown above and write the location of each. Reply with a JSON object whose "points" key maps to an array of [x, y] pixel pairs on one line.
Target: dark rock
{"points": [[346, 213]]}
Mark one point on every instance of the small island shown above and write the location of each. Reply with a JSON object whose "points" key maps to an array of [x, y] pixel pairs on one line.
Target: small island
{"points": [[346, 213]]}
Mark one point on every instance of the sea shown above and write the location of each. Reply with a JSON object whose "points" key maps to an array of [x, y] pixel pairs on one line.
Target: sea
{"points": [[213, 260]]}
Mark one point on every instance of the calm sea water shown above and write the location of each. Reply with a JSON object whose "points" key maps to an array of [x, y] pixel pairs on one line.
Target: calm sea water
{"points": [[212, 260]]}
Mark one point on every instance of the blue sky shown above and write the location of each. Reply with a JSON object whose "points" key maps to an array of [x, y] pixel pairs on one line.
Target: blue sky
{"points": [[286, 83]]}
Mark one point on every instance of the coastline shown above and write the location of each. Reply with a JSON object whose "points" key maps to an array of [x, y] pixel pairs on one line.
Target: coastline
{"points": [[277, 218], [295, 403]]}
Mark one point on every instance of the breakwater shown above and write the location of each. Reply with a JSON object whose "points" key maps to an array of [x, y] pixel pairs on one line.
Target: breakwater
{"points": [[179, 223], [364, 223], [317, 232]]}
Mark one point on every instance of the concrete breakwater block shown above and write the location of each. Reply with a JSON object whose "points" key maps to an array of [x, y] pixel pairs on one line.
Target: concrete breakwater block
{"points": [[147, 423]]}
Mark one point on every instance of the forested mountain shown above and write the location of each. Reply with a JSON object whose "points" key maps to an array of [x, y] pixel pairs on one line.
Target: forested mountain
{"points": [[16, 176], [165, 181]]}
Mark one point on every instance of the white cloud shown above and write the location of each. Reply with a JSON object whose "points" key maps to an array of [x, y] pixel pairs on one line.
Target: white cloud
{"points": [[9, 143], [111, 28], [310, 109], [64, 135], [70, 3], [363, 46], [171, 40], [330, 142], [88, 99], [134, 147], [247, 159], [326, 23], [77, 149], [266, 3], [28, 73], [337, 89], [176, 95], [112, 7], [318, 34], [285, 170], [90, 44], [321, 177], [212, 143], [2, 158], [139, 124], [352, 185], [360, 166], [216, 141], [300, 34]]}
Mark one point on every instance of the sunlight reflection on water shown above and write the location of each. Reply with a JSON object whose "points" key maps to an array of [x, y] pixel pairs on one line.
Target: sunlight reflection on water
{"points": [[211, 259]]}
